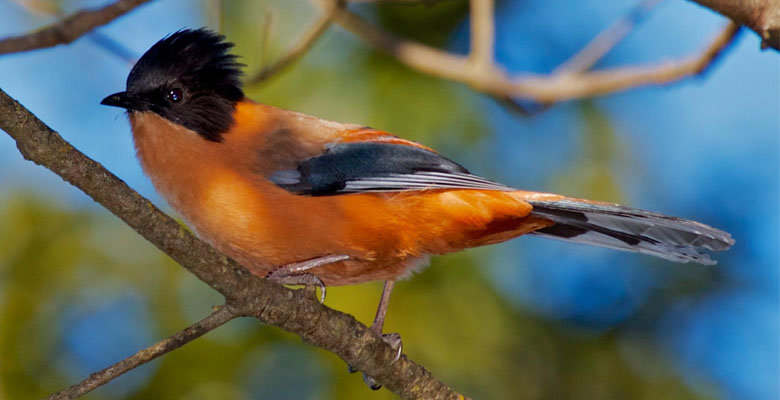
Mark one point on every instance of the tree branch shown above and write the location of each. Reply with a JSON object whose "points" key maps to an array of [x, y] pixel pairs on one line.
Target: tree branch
{"points": [[540, 88], [68, 29], [245, 294], [762, 16], [590, 54], [217, 318], [49, 9]]}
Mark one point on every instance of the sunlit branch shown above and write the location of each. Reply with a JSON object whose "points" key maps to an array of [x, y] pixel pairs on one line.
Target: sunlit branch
{"points": [[483, 33], [540, 88]]}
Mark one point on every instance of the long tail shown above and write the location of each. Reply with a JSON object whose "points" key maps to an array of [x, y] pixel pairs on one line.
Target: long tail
{"points": [[630, 229]]}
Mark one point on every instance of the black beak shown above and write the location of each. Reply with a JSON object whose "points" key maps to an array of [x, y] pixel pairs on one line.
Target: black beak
{"points": [[124, 100]]}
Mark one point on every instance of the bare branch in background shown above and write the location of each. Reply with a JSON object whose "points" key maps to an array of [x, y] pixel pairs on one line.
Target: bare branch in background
{"points": [[68, 29], [543, 89], [594, 83], [49, 8], [214, 14], [761, 16], [483, 36], [605, 41], [217, 318], [245, 294]]}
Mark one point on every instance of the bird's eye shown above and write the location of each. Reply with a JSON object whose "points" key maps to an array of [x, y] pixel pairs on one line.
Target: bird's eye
{"points": [[174, 95]]}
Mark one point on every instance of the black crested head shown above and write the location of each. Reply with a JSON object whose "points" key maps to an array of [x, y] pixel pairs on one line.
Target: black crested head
{"points": [[189, 78]]}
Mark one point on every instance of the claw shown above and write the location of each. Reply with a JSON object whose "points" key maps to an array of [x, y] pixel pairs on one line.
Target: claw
{"points": [[371, 383], [319, 283], [394, 340], [311, 281]]}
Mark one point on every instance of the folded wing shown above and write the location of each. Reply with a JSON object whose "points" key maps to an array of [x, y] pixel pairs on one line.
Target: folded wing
{"points": [[390, 164]]}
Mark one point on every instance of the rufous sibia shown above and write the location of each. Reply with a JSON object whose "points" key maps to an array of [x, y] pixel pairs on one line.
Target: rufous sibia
{"points": [[302, 200]]}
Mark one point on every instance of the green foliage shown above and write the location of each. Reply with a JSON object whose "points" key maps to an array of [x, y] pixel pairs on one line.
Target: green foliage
{"points": [[422, 22], [591, 174]]}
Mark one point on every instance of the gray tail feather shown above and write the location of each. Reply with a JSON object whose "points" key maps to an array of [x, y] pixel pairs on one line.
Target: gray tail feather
{"points": [[630, 229]]}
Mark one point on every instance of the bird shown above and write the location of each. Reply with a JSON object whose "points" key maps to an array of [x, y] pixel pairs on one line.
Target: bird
{"points": [[302, 200]]}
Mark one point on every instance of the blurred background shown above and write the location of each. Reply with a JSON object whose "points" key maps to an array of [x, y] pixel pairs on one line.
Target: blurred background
{"points": [[530, 319]]}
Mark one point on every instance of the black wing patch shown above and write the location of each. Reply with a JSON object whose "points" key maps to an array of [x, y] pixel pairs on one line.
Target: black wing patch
{"points": [[377, 167]]}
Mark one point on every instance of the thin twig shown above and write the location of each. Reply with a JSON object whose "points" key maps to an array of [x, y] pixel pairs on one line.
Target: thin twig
{"points": [[217, 318], [114, 47], [300, 48], [605, 41], [587, 57], [266, 28], [595, 83], [214, 14], [68, 29], [483, 34]]}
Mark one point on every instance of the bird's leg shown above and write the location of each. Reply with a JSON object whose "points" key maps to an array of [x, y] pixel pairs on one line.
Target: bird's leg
{"points": [[295, 273], [393, 339]]}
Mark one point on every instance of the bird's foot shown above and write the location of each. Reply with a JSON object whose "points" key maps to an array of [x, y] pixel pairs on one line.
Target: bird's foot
{"points": [[295, 273]]}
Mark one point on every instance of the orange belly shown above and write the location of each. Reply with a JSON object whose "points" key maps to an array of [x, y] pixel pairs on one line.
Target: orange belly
{"points": [[385, 235]]}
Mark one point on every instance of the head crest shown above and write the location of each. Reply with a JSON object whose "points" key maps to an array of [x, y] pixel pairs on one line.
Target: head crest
{"points": [[196, 56], [204, 77]]}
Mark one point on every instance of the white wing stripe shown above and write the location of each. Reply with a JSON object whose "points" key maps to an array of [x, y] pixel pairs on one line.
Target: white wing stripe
{"points": [[421, 181]]}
